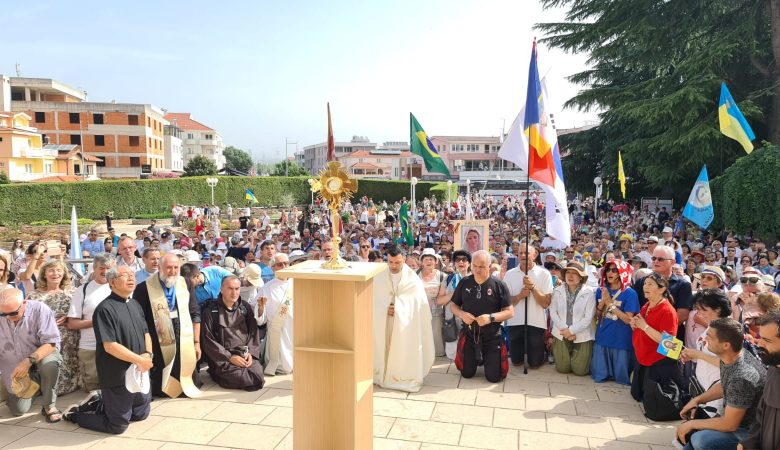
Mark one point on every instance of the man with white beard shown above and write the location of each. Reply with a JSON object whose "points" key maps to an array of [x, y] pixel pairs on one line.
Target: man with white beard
{"points": [[275, 306], [173, 319], [403, 336]]}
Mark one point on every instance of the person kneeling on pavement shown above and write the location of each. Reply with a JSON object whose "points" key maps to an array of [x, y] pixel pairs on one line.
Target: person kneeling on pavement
{"points": [[482, 303], [231, 339], [123, 356], [29, 354]]}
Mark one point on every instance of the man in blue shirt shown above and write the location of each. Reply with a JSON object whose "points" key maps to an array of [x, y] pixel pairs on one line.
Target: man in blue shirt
{"points": [[92, 245], [207, 280], [151, 260]]}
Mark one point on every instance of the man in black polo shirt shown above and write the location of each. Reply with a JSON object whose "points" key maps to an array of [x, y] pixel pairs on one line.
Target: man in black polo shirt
{"points": [[122, 340], [482, 303], [663, 260]]}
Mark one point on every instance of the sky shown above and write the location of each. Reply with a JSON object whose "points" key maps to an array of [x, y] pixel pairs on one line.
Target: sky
{"points": [[261, 72]]}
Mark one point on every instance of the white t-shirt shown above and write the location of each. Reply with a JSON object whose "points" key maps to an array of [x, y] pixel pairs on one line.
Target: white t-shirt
{"points": [[543, 281], [82, 307]]}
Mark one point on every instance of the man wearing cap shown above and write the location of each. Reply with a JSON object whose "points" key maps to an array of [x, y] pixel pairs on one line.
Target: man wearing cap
{"points": [[123, 343], [30, 351], [647, 254], [403, 336], [275, 307], [173, 319], [669, 241], [231, 339], [251, 284]]}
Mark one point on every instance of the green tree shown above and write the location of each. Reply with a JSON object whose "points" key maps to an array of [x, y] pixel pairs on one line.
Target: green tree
{"points": [[237, 159], [747, 196], [4, 178], [293, 170], [200, 166], [655, 71]]}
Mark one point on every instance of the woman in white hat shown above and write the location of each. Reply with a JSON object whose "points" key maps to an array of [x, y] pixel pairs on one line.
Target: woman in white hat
{"points": [[571, 311]]}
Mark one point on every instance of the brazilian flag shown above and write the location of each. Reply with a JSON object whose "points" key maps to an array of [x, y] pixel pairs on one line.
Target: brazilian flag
{"points": [[421, 145], [406, 229]]}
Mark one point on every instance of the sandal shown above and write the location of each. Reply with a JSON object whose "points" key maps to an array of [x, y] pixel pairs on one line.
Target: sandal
{"points": [[52, 416]]}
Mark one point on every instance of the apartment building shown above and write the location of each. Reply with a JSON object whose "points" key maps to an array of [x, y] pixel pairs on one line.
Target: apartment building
{"points": [[172, 143], [473, 158], [315, 156], [198, 139], [127, 138]]}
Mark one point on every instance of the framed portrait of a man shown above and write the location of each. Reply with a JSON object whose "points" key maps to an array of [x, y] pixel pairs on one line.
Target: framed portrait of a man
{"points": [[472, 235]]}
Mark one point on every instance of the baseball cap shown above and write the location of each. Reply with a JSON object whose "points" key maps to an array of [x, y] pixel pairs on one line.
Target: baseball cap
{"points": [[253, 274], [667, 230]]}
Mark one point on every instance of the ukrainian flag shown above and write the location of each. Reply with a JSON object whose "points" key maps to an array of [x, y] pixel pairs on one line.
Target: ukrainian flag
{"points": [[250, 196], [732, 122]]}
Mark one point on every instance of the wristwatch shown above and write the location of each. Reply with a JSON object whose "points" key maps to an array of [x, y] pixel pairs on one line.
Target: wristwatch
{"points": [[492, 319], [32, 360]]}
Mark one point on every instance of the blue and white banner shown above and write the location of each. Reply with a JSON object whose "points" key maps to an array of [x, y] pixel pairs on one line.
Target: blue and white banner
{"points": [[699, 208]]}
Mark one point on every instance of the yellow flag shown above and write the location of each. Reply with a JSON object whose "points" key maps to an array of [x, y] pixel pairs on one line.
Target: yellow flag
{"points": [[621, 176]]}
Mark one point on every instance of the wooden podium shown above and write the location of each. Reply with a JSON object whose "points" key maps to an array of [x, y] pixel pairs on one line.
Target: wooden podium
{"points": [[333, 360]]}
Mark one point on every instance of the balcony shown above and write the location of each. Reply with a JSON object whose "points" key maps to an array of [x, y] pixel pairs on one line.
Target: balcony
{"points": [[30, 152]]}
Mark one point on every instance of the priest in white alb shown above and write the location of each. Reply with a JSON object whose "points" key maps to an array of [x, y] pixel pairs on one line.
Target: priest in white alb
{"points": [[274, 307], [403, 337]]}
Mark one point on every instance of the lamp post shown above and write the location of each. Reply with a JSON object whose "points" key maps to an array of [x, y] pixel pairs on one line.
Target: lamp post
{"points": [[414, 199], [212, 182], [597, 181], [449, 189]]}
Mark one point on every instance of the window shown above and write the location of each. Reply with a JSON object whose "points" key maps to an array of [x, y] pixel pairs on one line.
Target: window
{"points": [[75, 139], [77, 169], [472, 147], [209, 136], [40, 117], [149, 122], [457, 147], [89, 170], [48, 168], [101, 163], [28, 168], [132, 119], [97, 119], [150, 142], [100, 140], [135, 161], [134, 141], [189, 136], [74, 117]]}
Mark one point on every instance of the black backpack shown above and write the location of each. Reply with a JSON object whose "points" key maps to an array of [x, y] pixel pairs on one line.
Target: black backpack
{"points": [[662, 400]]}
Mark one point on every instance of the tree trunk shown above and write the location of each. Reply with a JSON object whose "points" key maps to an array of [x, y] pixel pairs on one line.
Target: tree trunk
{"points": [[773, 124]]}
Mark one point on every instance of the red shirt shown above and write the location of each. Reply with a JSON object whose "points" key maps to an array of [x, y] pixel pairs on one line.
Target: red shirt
{"points": [[663, 317]]}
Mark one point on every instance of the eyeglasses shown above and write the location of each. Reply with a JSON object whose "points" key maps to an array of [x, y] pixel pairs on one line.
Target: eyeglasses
{"points": [[461, 259], [12, 313], [749, 280], [285, 263], [365, 246], [612, 270], [656, 258]]}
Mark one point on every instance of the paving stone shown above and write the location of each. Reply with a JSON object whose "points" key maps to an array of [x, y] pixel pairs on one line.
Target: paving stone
{"points": [[506, 400], [419, 431], [406, 409], [463, 414], [550, 405], [519, 420], [486, 437], [531, 440], [239, 435], [580, 426]]}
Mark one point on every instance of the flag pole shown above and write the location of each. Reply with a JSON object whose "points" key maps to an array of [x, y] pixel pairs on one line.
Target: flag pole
{"points": [[527, 238]]}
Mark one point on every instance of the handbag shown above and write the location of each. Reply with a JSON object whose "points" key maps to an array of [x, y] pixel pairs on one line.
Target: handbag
{"points": [[662, 400], [449, 330]]}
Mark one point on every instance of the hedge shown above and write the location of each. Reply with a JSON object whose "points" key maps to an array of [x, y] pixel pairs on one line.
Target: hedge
{"points": [[25, 203], [747, 196]]}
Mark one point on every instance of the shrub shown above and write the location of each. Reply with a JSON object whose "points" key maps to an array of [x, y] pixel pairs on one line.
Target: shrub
{"points": [[24, 203]]}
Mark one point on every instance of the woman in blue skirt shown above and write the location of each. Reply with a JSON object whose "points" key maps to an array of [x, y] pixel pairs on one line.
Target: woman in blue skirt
{"points": [[617, 303]]}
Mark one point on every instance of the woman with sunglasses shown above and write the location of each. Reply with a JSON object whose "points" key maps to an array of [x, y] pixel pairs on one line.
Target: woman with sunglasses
{"points": [[617, 304], [53, 288], [461, 259], [744, 306], [656, 317]]}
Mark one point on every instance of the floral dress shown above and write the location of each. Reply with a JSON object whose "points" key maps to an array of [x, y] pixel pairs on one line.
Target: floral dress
{"points": [[59, 302]]}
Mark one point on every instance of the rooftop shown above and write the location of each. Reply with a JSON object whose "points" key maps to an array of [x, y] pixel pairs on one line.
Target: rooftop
{"points": [[186, 122]]}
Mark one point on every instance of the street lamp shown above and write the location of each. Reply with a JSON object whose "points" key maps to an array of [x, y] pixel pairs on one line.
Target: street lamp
{"points": [[414, 200], [597, 181], [212, 182]]}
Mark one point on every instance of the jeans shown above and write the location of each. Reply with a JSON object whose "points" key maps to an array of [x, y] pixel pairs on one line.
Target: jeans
{"points": [[715, 440]]}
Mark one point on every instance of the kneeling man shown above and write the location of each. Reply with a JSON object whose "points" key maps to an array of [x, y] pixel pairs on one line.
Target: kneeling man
{"points": [[231, 340], [403, 336]]}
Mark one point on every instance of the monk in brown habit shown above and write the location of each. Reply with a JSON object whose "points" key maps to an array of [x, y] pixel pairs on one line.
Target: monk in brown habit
{"points": [[230, 339]]}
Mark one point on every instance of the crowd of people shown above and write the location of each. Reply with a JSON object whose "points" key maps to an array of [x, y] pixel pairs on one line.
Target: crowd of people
{"points": [[154, 307]]}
